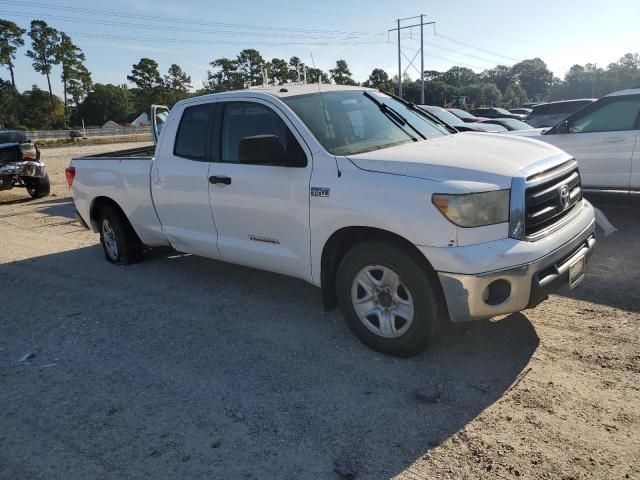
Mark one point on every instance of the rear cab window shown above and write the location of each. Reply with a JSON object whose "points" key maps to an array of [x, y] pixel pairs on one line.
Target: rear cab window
{"points": [[193, 133]]}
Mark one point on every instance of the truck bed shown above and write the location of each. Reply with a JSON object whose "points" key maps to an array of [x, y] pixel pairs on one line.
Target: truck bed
{"points": [[137, 153]]}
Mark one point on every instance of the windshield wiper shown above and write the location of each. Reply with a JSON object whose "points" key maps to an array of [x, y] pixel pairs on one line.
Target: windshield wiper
{"points": [[424, 113], [394, 115]]}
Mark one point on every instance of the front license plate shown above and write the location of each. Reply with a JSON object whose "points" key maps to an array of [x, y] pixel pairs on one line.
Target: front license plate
{"points": [[576, 273]]}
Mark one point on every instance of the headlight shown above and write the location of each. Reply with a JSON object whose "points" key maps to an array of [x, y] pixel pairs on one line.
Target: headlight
{"points": [[474, 209]]}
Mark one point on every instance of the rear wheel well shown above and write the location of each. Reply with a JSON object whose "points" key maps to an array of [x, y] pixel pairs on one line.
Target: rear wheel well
{"points": [[99, 203], [346, 238]]}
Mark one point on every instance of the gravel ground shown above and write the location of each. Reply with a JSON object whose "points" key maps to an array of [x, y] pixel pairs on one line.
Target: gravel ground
{"points": [[182, 367]]}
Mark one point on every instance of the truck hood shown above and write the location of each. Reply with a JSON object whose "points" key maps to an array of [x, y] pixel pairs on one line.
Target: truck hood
{"points": [[472, 161]]}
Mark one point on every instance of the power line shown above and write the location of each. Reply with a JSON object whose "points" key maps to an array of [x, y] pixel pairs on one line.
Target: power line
{"points": [[453, 40], [112, 13], [212, 42], [459, 52], [174, 28]]}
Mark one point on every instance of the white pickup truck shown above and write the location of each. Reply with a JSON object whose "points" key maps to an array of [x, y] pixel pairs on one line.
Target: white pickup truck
{"points": [[401, 224]]}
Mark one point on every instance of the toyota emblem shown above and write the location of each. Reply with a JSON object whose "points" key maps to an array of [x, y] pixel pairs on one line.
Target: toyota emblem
{"points": [[565, 196]]}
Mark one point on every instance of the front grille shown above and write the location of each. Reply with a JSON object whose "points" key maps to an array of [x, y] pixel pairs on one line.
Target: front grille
{"points": [[548, 202]]}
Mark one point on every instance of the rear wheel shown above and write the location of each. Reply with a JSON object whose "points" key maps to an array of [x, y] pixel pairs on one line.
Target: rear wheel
{"points": [[119, 241], [38, 187], [389, 301]]}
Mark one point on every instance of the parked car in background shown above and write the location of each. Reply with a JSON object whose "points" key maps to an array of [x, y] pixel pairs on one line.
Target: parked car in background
{"points": [[508, 123], [604, 138], [496, 112], [521, 111], [449, 118], [20, 164], [464, 115], [400, 223], [550, 114], [532, 104]]}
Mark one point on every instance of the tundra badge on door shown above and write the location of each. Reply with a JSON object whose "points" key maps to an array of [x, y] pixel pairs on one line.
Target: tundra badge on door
{"points": [[320, 191]]}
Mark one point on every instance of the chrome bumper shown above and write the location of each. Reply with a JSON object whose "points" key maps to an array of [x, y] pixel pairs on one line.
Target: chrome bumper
{"points": [[529, 284], [29, 168]]}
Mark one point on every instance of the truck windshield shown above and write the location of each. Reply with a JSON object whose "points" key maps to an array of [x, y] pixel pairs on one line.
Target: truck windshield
{"points": [[353, 123]]}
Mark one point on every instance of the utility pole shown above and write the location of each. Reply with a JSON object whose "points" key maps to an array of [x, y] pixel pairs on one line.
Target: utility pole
{"points": [[399, 63], [421, 59], [595, 77], [399, 29]]}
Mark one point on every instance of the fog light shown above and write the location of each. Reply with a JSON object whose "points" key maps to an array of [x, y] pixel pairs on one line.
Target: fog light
{"points": [[497, 292]]}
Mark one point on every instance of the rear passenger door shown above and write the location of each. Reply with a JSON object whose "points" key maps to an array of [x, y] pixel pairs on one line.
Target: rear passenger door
{"points": [[259, 188], [180, 181]]}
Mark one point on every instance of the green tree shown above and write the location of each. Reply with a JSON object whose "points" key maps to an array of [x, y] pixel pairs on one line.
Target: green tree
{"points": [[10, 40], [177, 84], [515, 95], [76, 79], [482, 93], [44, 46], [39, 112], [534, 76], [9, 109], [459, 77], [341, 75], [380, 79], [224, 76], [249, 66], [316, 75], [106, 102], [145, 75], [279, 71], [295, 66], [501, 75]]}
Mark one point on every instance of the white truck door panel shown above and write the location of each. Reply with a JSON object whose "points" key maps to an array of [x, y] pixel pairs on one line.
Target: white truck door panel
{"points": [[180, 183], [604, 158], [261, 206], [635, 166]]}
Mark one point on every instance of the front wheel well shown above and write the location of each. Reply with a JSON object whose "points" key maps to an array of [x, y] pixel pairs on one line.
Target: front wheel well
{"points": [[346, 238]]}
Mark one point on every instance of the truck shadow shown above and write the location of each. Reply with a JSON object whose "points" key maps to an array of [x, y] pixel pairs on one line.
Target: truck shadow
{"points": [[236, 370], [50, 206], [613, 273]]}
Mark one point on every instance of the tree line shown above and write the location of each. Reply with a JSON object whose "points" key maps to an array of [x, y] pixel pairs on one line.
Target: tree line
{"points": [[95, 103]]}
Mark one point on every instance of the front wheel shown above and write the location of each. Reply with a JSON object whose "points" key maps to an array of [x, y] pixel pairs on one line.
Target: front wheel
{"points": [[119, 241], [39, 187], [389, 301]]}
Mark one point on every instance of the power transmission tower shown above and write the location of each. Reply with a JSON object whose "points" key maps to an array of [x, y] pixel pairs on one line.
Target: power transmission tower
{"points": [[399, 29]]}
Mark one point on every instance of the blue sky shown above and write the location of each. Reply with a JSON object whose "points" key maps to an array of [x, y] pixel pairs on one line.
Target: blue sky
{"points": [[486, 33]]}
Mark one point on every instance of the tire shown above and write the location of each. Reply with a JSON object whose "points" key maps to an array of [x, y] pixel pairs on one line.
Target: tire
{"points": [[39, 187], [119, 241], [374, 263]]}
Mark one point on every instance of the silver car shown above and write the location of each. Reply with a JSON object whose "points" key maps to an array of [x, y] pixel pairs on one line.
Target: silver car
{"points": [[550, 114]]}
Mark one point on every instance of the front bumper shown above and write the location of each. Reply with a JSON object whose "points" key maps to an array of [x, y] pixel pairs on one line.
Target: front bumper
{"points": [[28, 168], [529, 283]]}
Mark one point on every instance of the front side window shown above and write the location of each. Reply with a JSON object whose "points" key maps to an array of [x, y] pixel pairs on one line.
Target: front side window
{"points": [[348, 122], [253, 133], [612, 115], [192, 133]]}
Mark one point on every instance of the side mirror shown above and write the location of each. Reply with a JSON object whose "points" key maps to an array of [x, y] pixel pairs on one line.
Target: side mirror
{"points": [[562, 127]]}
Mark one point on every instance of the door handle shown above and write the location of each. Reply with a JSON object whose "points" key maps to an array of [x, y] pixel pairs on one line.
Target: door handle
{"points": [[613, 140], [224, 180]]}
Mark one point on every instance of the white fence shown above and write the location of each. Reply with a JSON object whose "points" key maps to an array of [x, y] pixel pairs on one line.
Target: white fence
{"points": [[89, 132]]}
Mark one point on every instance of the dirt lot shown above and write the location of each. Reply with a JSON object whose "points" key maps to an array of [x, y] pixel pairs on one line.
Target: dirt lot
{"points": [[186, 368]]}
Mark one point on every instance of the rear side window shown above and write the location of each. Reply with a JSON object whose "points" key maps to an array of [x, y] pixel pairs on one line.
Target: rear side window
{"points": [[191, 140]]}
